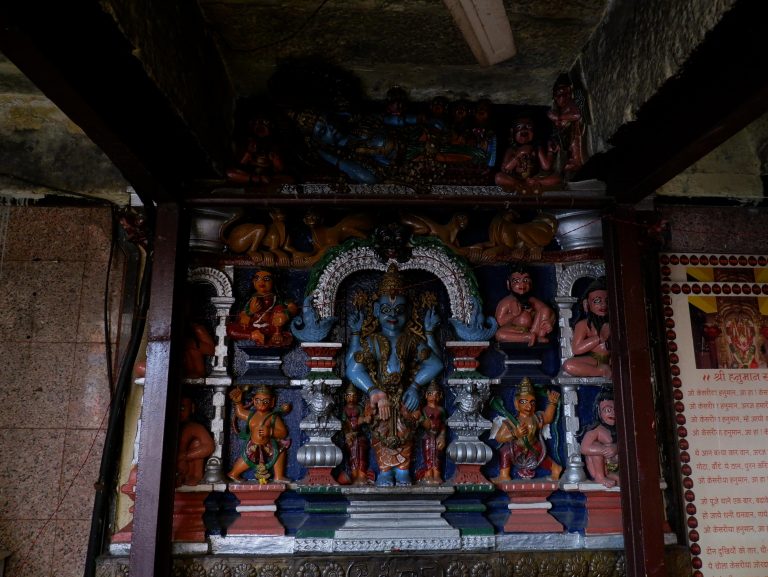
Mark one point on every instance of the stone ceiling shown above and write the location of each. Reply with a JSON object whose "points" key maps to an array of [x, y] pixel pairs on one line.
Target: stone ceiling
{"points": [[411, 43]]}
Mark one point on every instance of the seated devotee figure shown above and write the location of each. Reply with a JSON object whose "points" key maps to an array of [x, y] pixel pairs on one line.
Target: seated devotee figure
{"points": [[522, 435], [353, 420], [434, 440], [260, 162], [526, 167], [599, 443], [523, 318], [195, 446], [267, 437], [264, 316], [390, 359], [591, 336]]}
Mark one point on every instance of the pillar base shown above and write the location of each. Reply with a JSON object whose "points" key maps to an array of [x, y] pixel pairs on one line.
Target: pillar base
{"points": [[529, 507], [257, 509]]}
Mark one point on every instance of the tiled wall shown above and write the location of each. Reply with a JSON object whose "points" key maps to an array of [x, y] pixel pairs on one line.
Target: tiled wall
{"points": [[54, 391]]}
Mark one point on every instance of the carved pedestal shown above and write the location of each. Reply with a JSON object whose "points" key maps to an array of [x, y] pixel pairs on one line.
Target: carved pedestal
{"points": [[257, 509], [319, 454], [188, 509], [407, 518], [603, 509], [529, 507], [471, 390]]}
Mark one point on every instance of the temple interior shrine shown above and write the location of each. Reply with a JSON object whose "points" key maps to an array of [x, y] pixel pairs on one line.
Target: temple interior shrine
{"points": [[471, 288]]}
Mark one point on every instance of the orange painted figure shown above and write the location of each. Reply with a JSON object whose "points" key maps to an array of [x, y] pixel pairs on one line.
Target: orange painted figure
{"points": [[434, 440], [267, 436], [591, 336], [522, 317], [353, 418], [264, 316], [526, 167], [599, 443], [195, 445], [568, 119], [198, 343], [523, 448]]}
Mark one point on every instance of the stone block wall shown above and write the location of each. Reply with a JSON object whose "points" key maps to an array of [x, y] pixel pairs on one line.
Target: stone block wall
{"points": [[54, 390]]}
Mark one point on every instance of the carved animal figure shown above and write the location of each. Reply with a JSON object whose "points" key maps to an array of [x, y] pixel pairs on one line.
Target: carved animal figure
{"points": [[518, 240], [325, 237], [251, 237], [448, 232]]}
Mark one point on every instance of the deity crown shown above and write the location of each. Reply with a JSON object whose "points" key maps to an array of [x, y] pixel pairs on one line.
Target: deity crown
{"points": [[525, 388], [392, 283]]}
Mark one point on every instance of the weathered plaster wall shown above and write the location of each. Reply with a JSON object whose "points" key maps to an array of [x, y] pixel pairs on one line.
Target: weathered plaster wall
{"points": [[54, 391], [43, 152], [731, 170], [635, 49]]}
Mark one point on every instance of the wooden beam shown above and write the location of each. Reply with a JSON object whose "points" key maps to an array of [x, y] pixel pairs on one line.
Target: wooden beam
{"points": [[642, 506], [152, 518], [78, 56], [722, 88]]}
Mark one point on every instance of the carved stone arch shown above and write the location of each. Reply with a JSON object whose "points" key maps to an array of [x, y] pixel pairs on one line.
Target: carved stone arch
{"points": [[438, 262], [218, 279], [568, 274]]}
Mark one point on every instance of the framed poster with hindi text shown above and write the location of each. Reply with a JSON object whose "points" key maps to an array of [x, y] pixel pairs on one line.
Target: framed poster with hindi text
{"points": [[716, 319]]}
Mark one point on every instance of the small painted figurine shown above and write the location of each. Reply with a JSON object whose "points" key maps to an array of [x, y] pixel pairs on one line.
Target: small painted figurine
{"points": [[522, 435], [591, 336], [521, 316], [566, 115], [267, 435], [353, 420], [260, 162], [264, 316], [526, 167], [434, 440], [390, 359], [195, 446], [599, 443]]}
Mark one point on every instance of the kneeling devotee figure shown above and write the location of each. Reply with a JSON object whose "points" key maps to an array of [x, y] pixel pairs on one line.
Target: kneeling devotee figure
{"points": [[390, 359]]}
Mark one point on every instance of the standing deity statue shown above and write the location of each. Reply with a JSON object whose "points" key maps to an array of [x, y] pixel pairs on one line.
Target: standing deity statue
{"points": [[568, 117], [266, 435], [522, 435], [434, 440], [391, 357], [353, 420]]}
